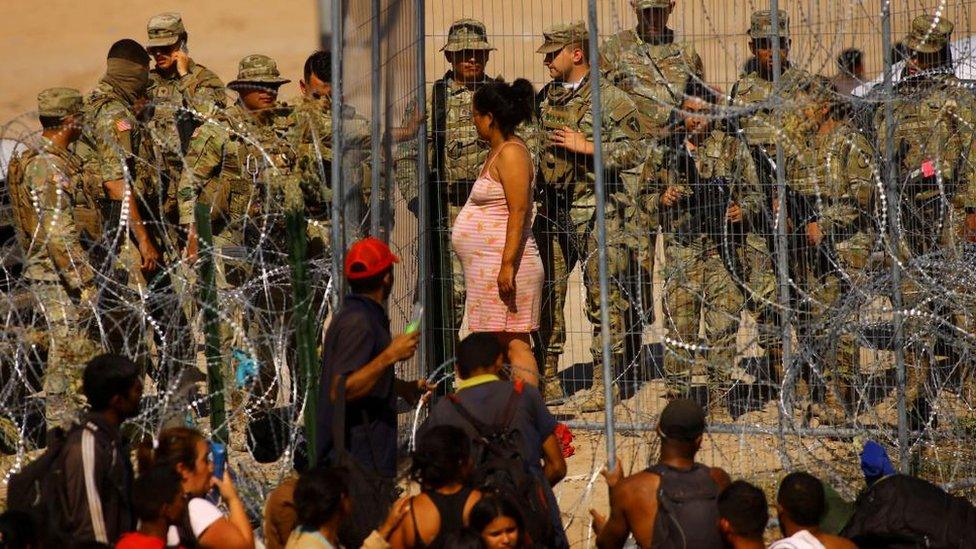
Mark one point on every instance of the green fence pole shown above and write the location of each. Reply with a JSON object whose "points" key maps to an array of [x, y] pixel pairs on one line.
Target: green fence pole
{"points": [[302, 320], [211, 323]]}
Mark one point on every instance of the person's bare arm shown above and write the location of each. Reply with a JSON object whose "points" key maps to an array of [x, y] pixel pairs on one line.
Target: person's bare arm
{"points": [[362, 381], [116, 190], [514, 167], [554, 463], [233, 531]]}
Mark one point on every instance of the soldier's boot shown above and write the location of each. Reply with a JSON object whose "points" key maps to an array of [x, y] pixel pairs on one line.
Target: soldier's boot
{"points": [[552, 389], [593, 399]]}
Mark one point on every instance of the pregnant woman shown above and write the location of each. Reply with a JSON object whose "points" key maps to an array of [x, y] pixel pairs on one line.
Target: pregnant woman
{"points": [[493, 233]]}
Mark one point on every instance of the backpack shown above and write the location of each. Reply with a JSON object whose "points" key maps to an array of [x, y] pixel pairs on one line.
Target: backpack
{"points": [[903, 511], [687, 509], [501, 469], [39, 489]]}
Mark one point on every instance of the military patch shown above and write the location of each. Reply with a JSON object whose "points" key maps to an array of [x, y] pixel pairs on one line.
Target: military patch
{"points": [[123, 125]]}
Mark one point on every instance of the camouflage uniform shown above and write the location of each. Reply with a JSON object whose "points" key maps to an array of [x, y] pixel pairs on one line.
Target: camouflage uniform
{"points": [[935, 138], [760, 129], [455, 157], [46, 185], [199, 90], [835, 173], [702, 275], [311, 137], [567, 213], [242, 168], [654, 71]]}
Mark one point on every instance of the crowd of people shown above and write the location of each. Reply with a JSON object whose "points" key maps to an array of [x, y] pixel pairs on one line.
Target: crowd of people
{"points": [[155, 171], [481, 464]]}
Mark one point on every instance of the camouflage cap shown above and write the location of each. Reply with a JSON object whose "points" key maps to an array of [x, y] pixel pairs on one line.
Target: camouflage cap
{"points": [[648, 4], [257, 69], [467, 34], [59, 102], [761, 25], [562, 35], [929, 34], [164, 29]]}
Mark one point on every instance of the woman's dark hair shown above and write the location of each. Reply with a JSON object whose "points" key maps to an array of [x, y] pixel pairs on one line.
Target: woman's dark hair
{"points": [[492, 506], [156, 487], [318, 495], [510, 104], [176, 446], [464, 539], [441, 457]]}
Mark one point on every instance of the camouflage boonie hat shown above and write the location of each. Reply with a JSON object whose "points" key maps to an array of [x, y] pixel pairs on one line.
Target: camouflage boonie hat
{"points": [[648, 4], [59, 102], [560, 36], [467, 34], [164, 29], [761, 25], [929, 34], [258, 69]]}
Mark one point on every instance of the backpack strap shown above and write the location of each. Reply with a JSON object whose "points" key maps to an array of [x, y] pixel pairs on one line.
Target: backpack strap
{"points": [[483, 429]]}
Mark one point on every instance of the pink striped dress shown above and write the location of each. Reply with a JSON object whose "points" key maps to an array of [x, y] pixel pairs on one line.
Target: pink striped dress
{"points": [[478, 237]]}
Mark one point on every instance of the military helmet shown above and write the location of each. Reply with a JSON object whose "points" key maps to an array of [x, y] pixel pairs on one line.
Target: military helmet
{"points": [[59, 102], [257, 69], [467, 34], [929, 34], [164, 29], [761, 25], [559, 36]]}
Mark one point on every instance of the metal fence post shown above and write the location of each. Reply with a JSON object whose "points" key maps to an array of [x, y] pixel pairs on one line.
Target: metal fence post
{"points": [[601, 231], [211, 323], [376, 228], [423, 208], [781, 246], [894, 224], [338, 148]]}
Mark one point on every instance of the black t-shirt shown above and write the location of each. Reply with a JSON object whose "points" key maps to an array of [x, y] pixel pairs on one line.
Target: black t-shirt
{"points": [[358, 333]]}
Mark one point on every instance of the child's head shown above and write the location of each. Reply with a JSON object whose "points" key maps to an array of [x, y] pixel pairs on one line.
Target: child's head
{"points": [[158, 495]]}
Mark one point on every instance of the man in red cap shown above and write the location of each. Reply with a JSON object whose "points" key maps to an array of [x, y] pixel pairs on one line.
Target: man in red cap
{"points": [[359, 350]]}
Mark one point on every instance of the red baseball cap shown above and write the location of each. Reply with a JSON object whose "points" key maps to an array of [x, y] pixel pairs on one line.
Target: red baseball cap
{"points": [[368, 257]]}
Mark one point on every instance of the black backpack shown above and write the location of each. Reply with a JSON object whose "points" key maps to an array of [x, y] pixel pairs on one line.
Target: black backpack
{"points": [[40, 490], [500, 468], [901, 511], [687, 509]]}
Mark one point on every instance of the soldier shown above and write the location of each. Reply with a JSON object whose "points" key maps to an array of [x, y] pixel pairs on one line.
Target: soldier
{"points": [[700, 259], [758, 123], [833, 175], [654, 69], [313, 142], [116, 139], [456, 156], [47, 186], [568, 203], [242, 169], [177, 82], [935, 132]]}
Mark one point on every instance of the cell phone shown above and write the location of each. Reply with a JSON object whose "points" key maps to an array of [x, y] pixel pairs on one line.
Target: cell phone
{"points": [[218, 452], [415, 318], [183, 47]]}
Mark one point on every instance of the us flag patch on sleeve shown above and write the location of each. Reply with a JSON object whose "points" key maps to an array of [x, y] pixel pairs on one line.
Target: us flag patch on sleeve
{"points": [[123, 125]]}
